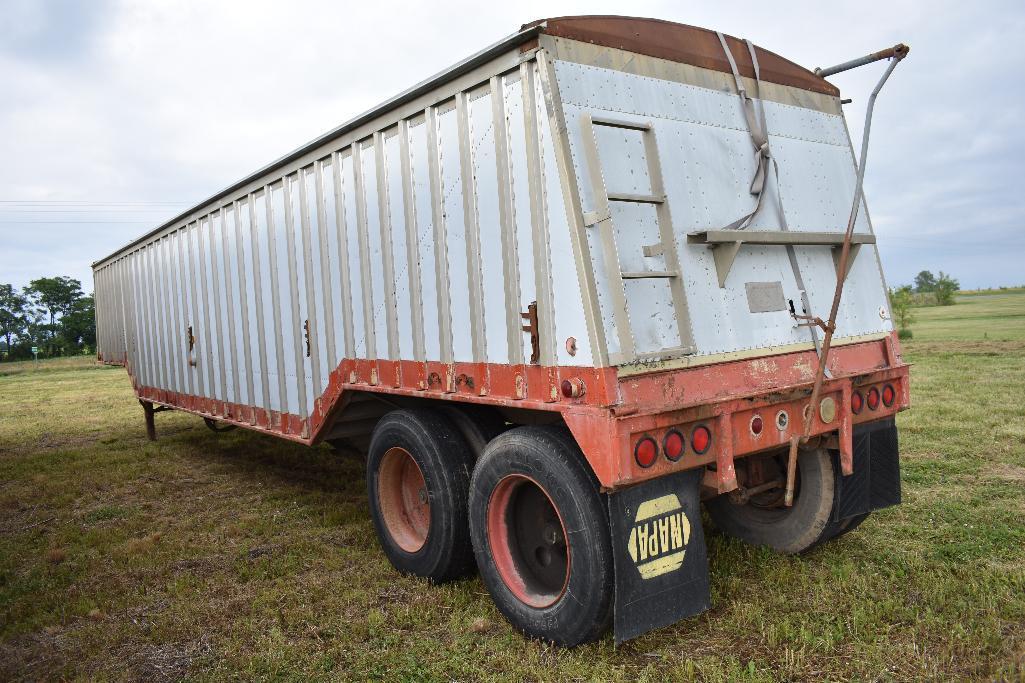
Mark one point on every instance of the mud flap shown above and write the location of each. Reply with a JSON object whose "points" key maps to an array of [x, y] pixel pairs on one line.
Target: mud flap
{"points": [[660, 556], [875, 482]]}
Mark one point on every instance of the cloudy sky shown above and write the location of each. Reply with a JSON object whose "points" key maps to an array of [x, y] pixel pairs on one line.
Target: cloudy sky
{"points": [[115, 116]]}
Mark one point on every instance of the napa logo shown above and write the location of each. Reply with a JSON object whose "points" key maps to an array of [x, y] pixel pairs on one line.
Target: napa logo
{"points": [[658, 540]]}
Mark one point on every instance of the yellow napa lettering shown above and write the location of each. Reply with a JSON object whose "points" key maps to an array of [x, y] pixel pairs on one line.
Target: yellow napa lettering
{"points": [[658, 540], [663, 532], [642, 541], [652, 542]]}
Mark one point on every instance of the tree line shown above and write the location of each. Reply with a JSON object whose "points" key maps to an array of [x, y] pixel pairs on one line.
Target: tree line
{"points": [[52, 314]]}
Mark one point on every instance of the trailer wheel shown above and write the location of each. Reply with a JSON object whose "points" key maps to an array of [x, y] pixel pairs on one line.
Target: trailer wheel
{"points": [[541, 537], [418, 480], [764, 520], [844, 526]]}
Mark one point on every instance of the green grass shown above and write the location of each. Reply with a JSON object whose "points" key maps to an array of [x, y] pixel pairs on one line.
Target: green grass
{"points": [[989, 315], [213, 556]]}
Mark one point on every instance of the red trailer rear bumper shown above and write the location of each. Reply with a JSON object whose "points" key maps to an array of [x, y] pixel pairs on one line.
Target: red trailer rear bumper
{"points": [[746, 406]]}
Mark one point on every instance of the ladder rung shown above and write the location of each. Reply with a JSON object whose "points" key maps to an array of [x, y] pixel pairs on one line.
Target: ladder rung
{"points": [[645, 274], [636, 198]]}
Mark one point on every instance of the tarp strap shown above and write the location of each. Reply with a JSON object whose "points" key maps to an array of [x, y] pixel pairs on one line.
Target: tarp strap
{"points": [[755, 118], [754, 113]]}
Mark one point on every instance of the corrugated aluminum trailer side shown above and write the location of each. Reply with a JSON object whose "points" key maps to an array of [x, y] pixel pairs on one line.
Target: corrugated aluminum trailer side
{"points": [[583, 265]]}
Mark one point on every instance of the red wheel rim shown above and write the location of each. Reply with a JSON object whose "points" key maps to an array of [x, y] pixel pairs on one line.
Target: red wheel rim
{"points": [[405, 505], [528, 541]]}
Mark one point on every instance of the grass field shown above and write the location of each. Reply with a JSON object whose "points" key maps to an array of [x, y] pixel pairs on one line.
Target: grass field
{"points": [[213, 556]]}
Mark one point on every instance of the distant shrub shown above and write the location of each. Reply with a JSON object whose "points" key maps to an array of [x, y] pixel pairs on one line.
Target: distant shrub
{"points": [[904, 334], [900, 303], [945, 289], [924, 299]]}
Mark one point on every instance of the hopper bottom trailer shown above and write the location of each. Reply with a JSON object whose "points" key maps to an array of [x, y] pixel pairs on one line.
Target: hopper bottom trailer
{"points": [[563, 293]]}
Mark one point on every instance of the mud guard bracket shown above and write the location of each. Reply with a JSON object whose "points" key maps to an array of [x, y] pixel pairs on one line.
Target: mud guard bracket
{"points": [[660, 556]]}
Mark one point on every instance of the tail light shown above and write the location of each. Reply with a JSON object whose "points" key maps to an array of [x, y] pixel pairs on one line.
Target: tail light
{"points": [[888, 395], [700, 439], [673, 445], [857, 402], [873, 398], [756, 425], [573, 388], [646, 451]]}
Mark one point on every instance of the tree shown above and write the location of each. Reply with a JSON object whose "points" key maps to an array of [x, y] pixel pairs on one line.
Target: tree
{"points": [[900, 303], [925, 282], [946, 287], [12, 313], [78, 327], [56, 297]]}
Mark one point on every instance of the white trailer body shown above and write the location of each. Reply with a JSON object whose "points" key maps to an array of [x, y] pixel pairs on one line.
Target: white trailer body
{"points": [[550, 229]]}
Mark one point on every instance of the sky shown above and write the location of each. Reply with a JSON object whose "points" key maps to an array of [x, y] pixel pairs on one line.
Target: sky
{"points": [[115, 116]]}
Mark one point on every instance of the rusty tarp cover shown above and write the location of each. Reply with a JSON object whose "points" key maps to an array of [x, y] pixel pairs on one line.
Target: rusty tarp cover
{"points": [[681, 43]]}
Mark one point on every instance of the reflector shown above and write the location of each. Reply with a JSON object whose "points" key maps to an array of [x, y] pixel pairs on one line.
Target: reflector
{"points": [[673, 445], [646, 451], [701, 439]]}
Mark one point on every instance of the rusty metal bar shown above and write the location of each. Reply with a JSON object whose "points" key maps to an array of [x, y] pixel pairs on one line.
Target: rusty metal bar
{"points": [[830, 325], [898, 51]]}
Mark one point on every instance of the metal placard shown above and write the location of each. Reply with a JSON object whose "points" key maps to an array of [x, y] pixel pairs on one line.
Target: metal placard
{"points": [[765, 297], [659, 550]]}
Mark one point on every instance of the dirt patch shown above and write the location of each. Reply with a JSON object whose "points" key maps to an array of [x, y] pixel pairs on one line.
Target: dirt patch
{"points": [[1008, 472], [168, 661]]}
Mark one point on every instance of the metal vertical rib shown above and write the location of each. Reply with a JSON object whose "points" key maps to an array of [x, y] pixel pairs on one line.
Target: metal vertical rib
{"points": [[507, 222], [384, 223], [229, 290], [254, 243], [440, 237], [182, 300], [471, 225], [312, 315], [293, 290], [538, 218], [275, 288], [216, 277], [327, 289], [412, 243], [239, 209], [364, 251], [198, 328], [156, 375], [205, 309], [170, 325], [343, 258]]}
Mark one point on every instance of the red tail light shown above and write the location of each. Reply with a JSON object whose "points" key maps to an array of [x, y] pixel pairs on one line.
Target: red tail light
{"points": [[873, 398], [673, 445], [857, 402], [646, 451], [756, 425], [888, 395], [701, 439]]}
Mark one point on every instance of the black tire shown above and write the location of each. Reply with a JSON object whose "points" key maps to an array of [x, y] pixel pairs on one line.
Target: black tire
{"points": [[421, 523], [528, 483], [478, 425], [842, 527], [788, 530]]}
